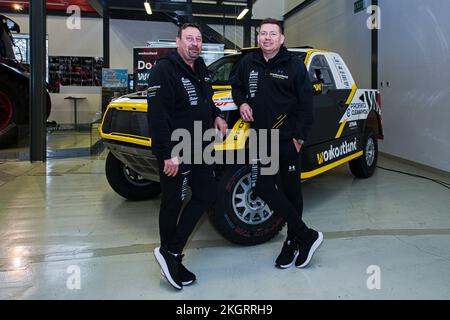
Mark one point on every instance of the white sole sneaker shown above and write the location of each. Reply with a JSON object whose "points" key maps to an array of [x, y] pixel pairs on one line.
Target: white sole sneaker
{"points": [[291, 264], [314, 247], [165, 269], [186, 283]]}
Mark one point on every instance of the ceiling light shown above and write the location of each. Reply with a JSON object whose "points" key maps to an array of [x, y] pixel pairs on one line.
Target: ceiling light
{"points": [[214, 15], [242, 14], [147, 7]]}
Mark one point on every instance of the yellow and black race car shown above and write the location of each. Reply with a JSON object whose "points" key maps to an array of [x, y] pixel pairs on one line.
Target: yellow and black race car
{"points": [[346, 128]]}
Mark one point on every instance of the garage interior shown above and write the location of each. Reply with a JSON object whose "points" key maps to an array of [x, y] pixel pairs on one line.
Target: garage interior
{"points": [[386, 237]]}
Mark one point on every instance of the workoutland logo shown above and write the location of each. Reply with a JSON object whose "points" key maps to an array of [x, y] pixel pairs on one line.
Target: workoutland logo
{"points": [[279, 75], [337, 152]]}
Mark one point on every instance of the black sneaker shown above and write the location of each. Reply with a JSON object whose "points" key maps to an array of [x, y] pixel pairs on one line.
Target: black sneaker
{"points": [[308, 247], [169, 266], [288, 254], [187, 277]]}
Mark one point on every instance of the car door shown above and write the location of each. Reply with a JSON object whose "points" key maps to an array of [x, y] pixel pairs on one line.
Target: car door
{"points": [[329, 105]]}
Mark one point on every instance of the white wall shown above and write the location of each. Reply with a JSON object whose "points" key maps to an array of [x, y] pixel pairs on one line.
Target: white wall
{"points": [[268, 8], [415, 58], [88, 41], [233, 33], [332, 25], [291, 4], [126, 34]]}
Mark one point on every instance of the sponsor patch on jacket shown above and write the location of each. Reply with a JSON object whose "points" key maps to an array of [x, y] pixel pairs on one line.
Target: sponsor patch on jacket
{"points": [[190, 90], [253, 83], [151, 91], [279, 76]]}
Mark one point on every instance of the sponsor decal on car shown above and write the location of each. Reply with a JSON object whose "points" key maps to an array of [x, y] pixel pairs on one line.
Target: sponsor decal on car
{"points": [[318, 87], [335, 152], [224, 101], [360, 106], [353, 125], [341, 71]]}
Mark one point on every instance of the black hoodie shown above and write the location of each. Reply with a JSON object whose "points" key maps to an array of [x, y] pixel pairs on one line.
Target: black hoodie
{"points": [[278, 91], [177, 96]]}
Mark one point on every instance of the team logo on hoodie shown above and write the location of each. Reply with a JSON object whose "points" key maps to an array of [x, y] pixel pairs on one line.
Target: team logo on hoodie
{"points": [[279, 75], [192, 93], [253, 83]]}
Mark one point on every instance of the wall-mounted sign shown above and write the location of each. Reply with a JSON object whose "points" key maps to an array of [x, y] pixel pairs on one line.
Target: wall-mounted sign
{"points": [[114, 78], [144, 60], [360, 5]]}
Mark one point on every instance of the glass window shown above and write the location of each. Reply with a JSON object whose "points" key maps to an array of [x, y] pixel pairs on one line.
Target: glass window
{"points": [[222, 70], [320, 71]]}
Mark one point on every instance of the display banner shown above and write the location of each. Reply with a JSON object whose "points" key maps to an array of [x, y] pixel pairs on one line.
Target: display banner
{"points": [[143, 61]]}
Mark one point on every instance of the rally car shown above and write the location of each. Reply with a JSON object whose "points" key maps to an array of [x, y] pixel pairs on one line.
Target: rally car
{"points": [[346, 129]]}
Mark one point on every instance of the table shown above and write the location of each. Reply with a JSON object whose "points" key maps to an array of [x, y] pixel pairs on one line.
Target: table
{"points": [[75, 112]]}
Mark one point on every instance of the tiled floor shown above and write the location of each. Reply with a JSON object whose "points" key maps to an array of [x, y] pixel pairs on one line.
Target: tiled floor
{"points": [[61, 219]]}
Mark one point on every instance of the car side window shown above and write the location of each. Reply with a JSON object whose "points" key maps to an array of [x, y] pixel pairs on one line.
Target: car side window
{"points": [[222, 74], [222, 71], [320, 71]]}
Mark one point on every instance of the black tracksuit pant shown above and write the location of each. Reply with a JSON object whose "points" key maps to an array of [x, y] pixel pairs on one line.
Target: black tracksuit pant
{"points": [[283, 191], [175, 227]]}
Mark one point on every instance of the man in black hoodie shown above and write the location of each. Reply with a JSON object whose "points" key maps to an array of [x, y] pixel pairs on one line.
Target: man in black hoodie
{"points": [[272, 89], [180, 94]]}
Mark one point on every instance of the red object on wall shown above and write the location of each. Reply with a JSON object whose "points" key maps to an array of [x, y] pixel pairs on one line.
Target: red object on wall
{"points": [[54, 4]]}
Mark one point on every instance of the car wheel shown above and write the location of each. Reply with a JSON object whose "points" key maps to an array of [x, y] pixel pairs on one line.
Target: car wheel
{"points": [[365, 166], [127, 182], [239, 216]]}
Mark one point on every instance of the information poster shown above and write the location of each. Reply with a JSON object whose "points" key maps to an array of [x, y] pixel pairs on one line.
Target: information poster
{"points": [[115, 78]]}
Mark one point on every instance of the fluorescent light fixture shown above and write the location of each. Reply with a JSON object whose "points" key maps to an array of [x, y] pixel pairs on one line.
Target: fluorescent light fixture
{"points": [[237, 4], [242, 14], [147, 7], [214, 15]]}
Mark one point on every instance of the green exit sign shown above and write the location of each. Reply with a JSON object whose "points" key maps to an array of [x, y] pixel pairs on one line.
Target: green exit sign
{"points": [[359, 5]]}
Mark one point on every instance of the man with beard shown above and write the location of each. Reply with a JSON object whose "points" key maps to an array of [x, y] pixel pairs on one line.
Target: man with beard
{"points": [[180, 94]]}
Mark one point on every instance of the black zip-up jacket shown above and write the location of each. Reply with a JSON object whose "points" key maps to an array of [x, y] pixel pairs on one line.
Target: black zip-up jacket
{"points": [[177, 96], [278, 91]]}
